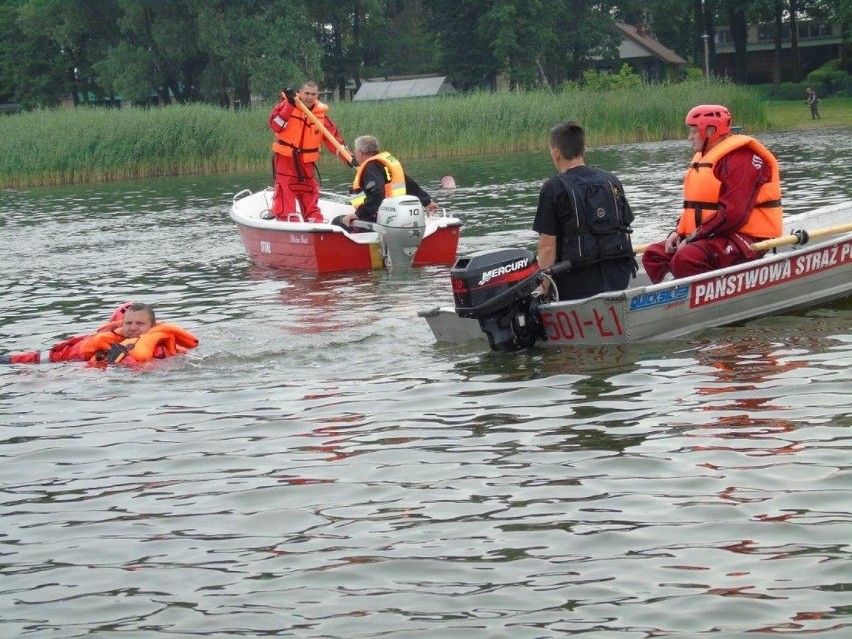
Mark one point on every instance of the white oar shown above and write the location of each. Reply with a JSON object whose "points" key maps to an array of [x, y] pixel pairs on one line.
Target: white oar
{"points": [[799, 237]]}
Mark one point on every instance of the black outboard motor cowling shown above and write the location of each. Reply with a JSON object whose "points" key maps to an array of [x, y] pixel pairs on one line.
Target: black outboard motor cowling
{"points": [[495, 287]]}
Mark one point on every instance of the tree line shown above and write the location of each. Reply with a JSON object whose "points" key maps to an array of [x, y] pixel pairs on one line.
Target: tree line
{"points": [[225, 51]]}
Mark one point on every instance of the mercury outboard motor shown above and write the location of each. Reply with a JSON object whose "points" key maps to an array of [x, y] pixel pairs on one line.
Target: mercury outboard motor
{"points": [[496, 288]]}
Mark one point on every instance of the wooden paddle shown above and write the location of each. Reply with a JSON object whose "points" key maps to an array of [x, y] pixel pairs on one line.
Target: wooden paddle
{"points": [[798, 239], [783, 240], [342, 151]]}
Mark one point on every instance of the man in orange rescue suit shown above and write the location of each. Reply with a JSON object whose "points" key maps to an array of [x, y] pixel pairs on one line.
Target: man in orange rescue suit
{"points": [[132, 336], [731, 198], [297, 149], [379, 176]]}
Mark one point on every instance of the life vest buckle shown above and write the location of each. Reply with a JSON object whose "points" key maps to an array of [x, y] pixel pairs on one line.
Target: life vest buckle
{"points": [[118, 352]]}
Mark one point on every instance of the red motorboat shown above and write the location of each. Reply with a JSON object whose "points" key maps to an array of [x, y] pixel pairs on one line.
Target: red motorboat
{"points": [[403, 235]]}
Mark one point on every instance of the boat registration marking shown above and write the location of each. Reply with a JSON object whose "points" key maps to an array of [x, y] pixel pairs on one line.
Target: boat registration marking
{"points": [[575, 324], [265, 247], [767, 275]]}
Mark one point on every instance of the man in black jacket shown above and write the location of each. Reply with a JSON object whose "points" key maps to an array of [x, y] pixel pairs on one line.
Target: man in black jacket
{"points": [[583, 216], [379, 176]]}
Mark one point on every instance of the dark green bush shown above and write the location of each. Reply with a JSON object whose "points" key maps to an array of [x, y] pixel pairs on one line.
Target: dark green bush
{"points": [[835, 81], [790, 90]]}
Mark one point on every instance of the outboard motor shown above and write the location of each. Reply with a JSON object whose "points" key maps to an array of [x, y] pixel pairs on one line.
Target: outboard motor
{"points": [[401, 224], [495, 287]]}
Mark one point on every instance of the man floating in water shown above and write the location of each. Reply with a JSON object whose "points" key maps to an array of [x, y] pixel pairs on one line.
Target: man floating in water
{"points": [[131, 336]]}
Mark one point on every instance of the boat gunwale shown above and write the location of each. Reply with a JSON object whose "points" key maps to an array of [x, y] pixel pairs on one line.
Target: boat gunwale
{"points": [[433, 222]]}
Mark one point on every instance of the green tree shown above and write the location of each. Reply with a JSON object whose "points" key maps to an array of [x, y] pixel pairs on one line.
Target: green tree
{"points": [[838, 12], [253, 48], [82, 31], [397, 40], [337, 28], [158, 52], [669, 21], [581, 31], [550, 41], [464, 50], [33, 70], [286, 52], [778, 41], [736, 12], [165, 36], [772, 12], [226, 33], [517, 41], [706, 12]]}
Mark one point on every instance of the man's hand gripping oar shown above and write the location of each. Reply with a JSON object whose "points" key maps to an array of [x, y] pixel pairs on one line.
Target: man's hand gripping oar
{"points": [[342, 151]]}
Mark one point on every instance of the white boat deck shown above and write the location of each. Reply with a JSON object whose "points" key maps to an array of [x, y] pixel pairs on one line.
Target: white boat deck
{"points": [[250, 208]]}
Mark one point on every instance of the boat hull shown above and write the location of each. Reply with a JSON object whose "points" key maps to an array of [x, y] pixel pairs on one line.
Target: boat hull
{"points": [[778, 285], [792, 278], [326, 247]]}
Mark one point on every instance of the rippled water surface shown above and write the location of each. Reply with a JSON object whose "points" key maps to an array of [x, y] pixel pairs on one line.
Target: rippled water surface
{"points": [[319, 467]]}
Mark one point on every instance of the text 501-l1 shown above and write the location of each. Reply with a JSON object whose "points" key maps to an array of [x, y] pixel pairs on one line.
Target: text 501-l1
{"points": [[578, 325]]}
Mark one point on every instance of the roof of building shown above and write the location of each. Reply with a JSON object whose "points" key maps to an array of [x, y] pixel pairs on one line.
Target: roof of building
{"points": [[403, 88], [644, 45]]}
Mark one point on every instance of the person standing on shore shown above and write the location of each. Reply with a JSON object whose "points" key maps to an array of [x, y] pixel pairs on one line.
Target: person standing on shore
{"points": [[296, 151], [813, 103]]}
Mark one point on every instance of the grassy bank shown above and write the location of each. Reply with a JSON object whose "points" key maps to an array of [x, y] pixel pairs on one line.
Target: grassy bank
{"points": [[97, 145], [795, 114]]}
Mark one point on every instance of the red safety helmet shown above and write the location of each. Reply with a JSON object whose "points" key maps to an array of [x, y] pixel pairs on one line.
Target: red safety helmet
{"points": [[118, 314], [714, 115]]}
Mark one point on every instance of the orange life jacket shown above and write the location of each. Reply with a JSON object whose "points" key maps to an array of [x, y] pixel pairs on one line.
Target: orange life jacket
{"points": [[109, 346], [300, 133], [701, 191], [163, 340], [394, 177]]}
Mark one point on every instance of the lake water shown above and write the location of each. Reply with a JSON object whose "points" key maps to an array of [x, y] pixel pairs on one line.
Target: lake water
{"points": [[320, 467]]}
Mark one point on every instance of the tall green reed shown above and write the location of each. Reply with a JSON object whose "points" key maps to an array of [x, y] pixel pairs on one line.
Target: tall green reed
{"points": [[88, 145]]}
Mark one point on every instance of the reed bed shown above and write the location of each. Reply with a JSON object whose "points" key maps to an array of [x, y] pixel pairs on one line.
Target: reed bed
{"points": [[89, 145], [98, 145]]}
